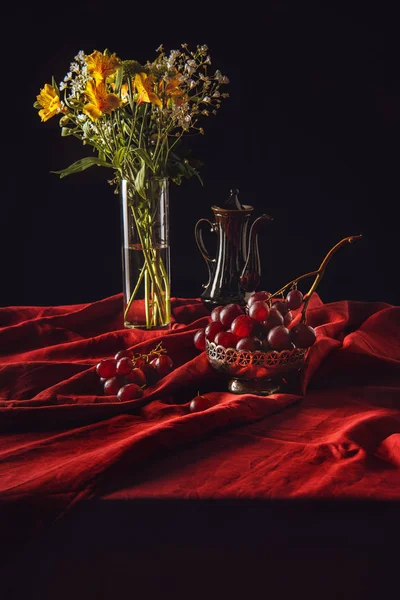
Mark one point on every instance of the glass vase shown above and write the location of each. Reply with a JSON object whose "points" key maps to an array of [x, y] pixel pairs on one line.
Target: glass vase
{"points": [[146, 254]]}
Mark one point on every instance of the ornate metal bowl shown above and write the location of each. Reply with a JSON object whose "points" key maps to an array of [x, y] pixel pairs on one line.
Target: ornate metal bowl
{"points": [[255, 372]]}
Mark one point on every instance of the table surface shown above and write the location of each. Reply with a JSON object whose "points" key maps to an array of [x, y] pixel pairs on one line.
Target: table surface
{"points": [[72, 458]]}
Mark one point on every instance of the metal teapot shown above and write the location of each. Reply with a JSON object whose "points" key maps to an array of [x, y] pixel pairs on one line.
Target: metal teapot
{"points": [[235, 271]]}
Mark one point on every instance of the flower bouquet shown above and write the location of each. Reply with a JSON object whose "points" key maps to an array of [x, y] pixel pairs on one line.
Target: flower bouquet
{"points": [[134, 116]]}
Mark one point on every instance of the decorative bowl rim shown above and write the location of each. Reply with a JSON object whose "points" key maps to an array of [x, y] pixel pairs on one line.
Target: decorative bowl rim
{"points": [[271, 359]]}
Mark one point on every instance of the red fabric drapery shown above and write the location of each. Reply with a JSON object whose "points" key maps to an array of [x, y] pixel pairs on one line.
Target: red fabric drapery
{"points": [[62, 441]]}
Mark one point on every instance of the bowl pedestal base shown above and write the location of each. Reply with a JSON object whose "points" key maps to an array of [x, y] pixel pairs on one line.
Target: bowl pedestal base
{"points": [[259, 387]]}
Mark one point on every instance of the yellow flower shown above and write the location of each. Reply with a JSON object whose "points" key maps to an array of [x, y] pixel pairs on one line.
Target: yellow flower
{"points": [[173, 91], [50, 102], [100, 102], [101, 66], [145, 87]]}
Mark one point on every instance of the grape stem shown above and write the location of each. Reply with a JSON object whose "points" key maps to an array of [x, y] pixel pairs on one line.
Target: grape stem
{"points": [[319, 274]]}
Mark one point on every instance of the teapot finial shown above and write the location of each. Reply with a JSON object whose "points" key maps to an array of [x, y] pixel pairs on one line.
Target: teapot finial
{"points": [[233, 200]]}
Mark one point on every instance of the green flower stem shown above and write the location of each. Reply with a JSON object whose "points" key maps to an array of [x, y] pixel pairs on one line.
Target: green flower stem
{"points": [[147, 298], [135, 291], [152, 263]]}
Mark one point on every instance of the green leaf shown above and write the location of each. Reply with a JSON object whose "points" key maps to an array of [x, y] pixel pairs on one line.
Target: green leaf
{"points": [[140, 179], [55, 86], [145, 156], [118, 157], [82, 165], [66, 131]]}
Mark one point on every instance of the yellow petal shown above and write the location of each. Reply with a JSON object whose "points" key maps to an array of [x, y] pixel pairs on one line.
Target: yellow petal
{"points": [[92, 111], [50, 102], [101, 66], [144, 86]]}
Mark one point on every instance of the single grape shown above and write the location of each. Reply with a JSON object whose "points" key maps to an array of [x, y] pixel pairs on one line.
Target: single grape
{"points": [[139, 362], [123, 353], [229, 313], [288, 318], [259, 310], [136, 376], [130, 391], [199, 403], [249, 343], [242, 326], [212, 329], [273, 320], [258, 296], [107, 368], [281, 306], [124, 365], [199, 339], [294, 299], [150, 373], [226, 339], [112, 385], [162, 364], [279, 338], [265, 346], [303, 335], [215, 313]]}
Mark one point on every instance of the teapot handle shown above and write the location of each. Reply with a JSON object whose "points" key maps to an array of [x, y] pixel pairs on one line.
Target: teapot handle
{"points": [[198, 234]]}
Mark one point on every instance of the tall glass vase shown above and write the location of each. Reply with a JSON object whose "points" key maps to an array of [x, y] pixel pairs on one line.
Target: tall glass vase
{"points": [[146, 254]]}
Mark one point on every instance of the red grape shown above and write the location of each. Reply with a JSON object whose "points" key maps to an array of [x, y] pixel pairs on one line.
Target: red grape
{"points": [[139, 362], [294, 299], [162, 364], [265, 346], [281, 306], [302, 335], [288, 318], [150, 373], [107, 368], [212, 329], [112, 385], [123, 353], [274, 318], [136, 376], [279, 338], [130, 391], [124, 365], [200, 339], [199, 403], [249, 343], [229, 313], [215, 313], [243, 325], [258, 296], [226, 339], [259, 310]]}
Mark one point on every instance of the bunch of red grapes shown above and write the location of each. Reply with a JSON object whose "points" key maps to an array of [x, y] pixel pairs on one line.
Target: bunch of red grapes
{"points": [[126, 375], [263, 324]]}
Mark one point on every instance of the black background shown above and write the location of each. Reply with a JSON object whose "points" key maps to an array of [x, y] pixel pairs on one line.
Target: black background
{"points": [[310, 134]]}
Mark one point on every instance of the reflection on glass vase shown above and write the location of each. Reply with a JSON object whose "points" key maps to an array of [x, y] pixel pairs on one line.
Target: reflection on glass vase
{"points": [[146, 254]]}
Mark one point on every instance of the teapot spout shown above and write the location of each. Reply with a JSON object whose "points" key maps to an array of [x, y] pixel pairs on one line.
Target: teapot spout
{"points": [[251, 274]]}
